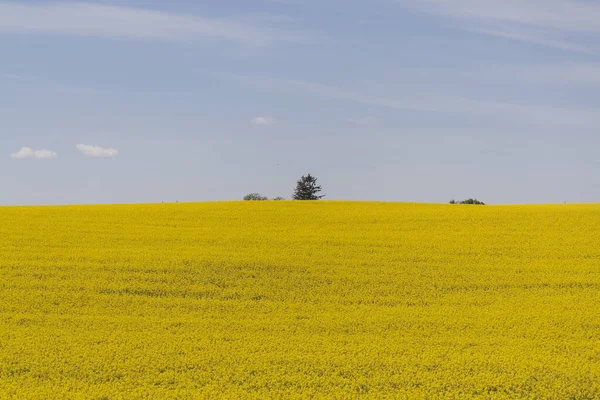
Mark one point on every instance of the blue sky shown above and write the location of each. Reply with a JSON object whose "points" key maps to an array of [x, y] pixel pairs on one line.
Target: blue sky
{"points": [[393, 100]]}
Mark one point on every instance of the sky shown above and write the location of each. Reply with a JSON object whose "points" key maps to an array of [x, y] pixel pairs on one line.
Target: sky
{"points": [[139, 101]]}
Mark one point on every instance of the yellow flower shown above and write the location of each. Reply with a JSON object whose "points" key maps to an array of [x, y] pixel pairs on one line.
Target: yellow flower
{"points": [[290, 300]]}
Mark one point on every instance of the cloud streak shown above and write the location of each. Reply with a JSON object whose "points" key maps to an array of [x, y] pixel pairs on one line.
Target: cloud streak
{"points": [[571, 74], [96, 20], [525, 113], [560, 24], [44, 84], [28, 152], [97, 151]]}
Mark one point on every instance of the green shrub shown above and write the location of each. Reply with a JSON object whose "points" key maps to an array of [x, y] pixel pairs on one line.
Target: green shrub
{"points": [[468, 201], [255, 197]]}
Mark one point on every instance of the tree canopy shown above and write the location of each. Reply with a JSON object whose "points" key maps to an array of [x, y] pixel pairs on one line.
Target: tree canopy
{"points": [[307, 189]]}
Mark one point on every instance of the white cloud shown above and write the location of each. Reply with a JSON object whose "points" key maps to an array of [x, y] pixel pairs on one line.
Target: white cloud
{"points": [[555, 23], [27, 152], [97, 151], [87, 19], [263, 121]]}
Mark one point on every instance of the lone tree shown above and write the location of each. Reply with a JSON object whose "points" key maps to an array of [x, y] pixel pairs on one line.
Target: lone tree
{"points": [[307, 189], [255, 197]]}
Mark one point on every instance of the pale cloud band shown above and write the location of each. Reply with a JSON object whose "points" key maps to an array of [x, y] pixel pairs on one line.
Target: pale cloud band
{"points": [[87, 19], [547, 116], [97, 151], [28, 152], [561, 24]]}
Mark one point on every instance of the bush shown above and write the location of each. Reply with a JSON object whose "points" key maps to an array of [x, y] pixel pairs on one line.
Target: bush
{"points": [[468, 201], [255, 197]]}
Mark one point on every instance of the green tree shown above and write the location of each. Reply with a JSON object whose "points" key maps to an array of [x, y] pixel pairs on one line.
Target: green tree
{"points": [[255, 197], [307, 189]]}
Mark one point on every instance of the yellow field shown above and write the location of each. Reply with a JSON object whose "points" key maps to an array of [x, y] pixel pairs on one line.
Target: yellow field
{"points": [[300, 300]]}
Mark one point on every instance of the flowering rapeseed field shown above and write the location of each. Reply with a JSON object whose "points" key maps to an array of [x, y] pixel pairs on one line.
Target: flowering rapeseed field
{"points": [[293, 300]]}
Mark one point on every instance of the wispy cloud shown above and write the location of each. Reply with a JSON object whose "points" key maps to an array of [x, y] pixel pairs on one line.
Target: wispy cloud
{"points": [[87, 19], [571, 74], [97, 151], [555, 23], [27, 152], [531, 114], [13, 77], [533, 37], [551, 75], [54, 85], [263, 121]]}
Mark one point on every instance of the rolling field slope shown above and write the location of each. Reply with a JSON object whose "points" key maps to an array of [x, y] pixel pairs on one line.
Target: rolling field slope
{"points": [[300, 300]]}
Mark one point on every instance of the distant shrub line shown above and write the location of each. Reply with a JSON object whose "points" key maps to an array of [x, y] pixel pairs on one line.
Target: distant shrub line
{"points": [[468, 201], [308, 189]]}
